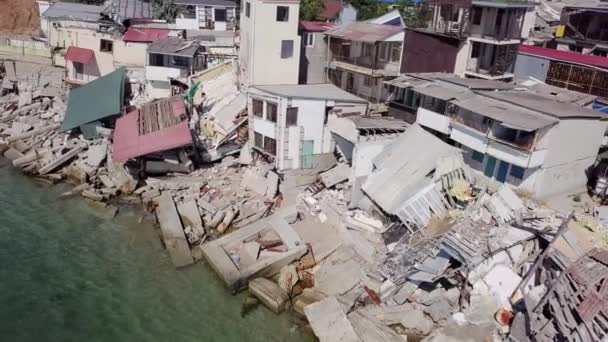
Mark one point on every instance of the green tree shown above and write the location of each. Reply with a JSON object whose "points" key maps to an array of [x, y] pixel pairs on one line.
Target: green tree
{"points": [[165, 10], [310, 9], [369, 9], [413, 14]]}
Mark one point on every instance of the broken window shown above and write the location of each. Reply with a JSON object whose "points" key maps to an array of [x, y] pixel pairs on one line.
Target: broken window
{"points": [[78, 70], [477, 12], [477, 156], [282, 13], [475, 50], [247, 9], [270, 146], [106, 45], [517, 172], [181, 61], [257, 107], [292, 116], [220, 14], [258, 140], [286, 49], [271, 111]]}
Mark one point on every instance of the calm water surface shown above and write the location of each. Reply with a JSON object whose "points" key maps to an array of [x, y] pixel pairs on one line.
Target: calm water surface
{"points": [[69, 274]]}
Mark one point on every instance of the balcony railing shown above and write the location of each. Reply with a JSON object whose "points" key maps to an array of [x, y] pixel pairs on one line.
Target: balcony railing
{"points": [[478, 124], [362, 61]]}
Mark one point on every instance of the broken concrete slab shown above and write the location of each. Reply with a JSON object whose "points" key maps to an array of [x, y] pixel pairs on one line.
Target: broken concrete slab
{"points": [[336, 175], [96, 155], [338, 274], [188, 211], [216, 254], [370, 330], [272, 184], [307, 297], [13, 154], [248, 254], [269, 293], [172, 231], [61, 160], [329, 322]]}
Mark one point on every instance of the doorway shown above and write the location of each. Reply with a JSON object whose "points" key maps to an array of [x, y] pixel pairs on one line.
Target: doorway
{"points": [[503, 167], [490, 165], [307, 153]]}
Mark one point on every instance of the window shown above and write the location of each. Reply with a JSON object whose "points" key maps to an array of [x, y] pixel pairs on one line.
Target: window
{"points": [[475, 50], [220, 14], [602, 53], [181, 61], [517, 172], [309, 39], [247, 9], [395, 52], [575, 48], [367, 50], [187, 11], [105, 45], [257, 107], [78, 70], [282, 13], [286, 49], [271, 111], [367, 81], [477, 156], [477, 11], [292, 116], [258, 140], [383, 54], [270, 146], [156, 60]]}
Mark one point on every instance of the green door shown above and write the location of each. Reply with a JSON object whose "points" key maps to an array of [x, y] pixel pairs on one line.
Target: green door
{"points": [[307, 152], [503, 167], [490, 165]]}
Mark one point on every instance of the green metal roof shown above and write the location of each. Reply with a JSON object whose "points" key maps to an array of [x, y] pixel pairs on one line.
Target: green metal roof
{"points": [[95, 100]]}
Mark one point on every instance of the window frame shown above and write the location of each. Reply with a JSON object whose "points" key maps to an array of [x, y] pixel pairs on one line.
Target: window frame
{"points": [[225, 10], [309, 39], [268, 144], [291, 117], [261, 107], [271, 115], [367, 81], [476, 15], [248, 9], [107, 43], [258, 140], [285, 53], [285, 17], [478, 156], [515, 171]]}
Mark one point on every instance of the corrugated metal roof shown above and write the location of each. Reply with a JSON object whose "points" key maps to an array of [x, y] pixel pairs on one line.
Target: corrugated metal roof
{"points": [[315, 26], [542, 104], [174, 46], [364, 32], [141, 34], [403, 166], [122, 10], [513, 116], [95, 100], [129, 142], [68, 10], [323, 91], [80, 55], [564, 56]]}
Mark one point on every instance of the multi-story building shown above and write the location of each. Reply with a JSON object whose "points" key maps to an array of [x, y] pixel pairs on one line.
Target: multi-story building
{"points": [[362, 55], [476, 38], [288, 123], [218, 15], [582, 28], [313, 53], [269, 42], [538, 138]]}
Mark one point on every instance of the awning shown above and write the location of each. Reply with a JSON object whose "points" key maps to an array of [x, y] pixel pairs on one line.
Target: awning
{"points": [[80, 55], [96, 100]]}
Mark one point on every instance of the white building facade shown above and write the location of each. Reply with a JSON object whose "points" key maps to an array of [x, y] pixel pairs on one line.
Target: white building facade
{"points": [[216, 15], [269, 42], [288, 123]]}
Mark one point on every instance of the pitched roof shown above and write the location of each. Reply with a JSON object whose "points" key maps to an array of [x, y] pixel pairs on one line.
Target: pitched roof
{"points": [[95, 100], [142, 34], [129, 9], [364, 32], [174, 46], [564, 56], [323, 91], [73, 11], [331, 9], [129, 141], [401, 168], [80, 55], [315, 26]]}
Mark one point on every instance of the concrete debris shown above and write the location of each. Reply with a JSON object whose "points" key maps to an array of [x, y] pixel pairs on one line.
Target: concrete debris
{"points": [[329, 322], [269, 293]]}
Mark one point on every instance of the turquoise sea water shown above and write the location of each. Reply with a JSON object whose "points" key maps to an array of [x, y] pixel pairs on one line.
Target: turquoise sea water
{"points": [[68, 274]]}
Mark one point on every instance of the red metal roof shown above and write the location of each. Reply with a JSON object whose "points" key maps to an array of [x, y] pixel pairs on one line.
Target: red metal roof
{"points": [[144, 35], [331, 8], [128, 143], [315, 26], [80, 55], [565, 56]]}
